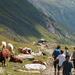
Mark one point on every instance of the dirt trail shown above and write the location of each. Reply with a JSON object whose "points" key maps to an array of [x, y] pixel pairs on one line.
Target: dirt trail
{"points": [[50, 69]]}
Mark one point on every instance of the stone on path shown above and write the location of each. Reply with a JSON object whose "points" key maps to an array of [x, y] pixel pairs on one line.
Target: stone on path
{"points": [[49, 51]]}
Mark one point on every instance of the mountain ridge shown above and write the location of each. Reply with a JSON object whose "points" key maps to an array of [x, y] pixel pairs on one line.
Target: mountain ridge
{"points": [[61, 10], [22, 22]]}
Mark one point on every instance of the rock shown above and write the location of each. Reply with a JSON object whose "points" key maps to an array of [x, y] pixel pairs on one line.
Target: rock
{"points": [[1, 70], [27, 71], [35, 66], [49, 51], [25, 56]]}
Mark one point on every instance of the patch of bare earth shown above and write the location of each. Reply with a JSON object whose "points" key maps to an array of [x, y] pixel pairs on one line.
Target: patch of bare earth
{"points": [[50, 71]]}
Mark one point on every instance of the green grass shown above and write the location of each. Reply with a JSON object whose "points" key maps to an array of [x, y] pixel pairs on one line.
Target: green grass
{"points": [[54, 8], [20, 23], [63, 12], [12, 67], [9, 69]]}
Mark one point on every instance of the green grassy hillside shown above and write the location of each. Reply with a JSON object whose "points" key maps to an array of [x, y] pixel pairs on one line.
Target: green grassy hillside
{"points": [[61, 10], [21, 22], [13, 67]]}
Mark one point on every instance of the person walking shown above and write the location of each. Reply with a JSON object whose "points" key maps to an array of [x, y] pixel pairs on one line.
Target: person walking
{"points": [[67, 66], [66, 51], [73, 57], [55, 54], [61, 58]]}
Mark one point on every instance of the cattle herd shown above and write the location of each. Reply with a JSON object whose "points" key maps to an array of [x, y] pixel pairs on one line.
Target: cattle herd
{"points": [[6, 52]]}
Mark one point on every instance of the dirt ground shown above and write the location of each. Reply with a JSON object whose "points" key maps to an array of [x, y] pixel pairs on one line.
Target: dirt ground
{"points": [[50, 69]]}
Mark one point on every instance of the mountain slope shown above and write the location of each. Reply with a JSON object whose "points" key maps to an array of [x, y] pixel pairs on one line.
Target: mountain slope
{"points": [[22, 22], [61, 10]]}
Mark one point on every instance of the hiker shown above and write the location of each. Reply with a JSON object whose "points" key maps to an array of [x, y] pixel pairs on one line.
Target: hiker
{"points": [[67, 66], [55, 54], [66, 51], [61, 58], [73, 57]]}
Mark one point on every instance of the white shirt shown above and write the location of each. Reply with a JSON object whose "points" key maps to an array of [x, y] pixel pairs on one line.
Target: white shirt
{"points": [[61, 58]]}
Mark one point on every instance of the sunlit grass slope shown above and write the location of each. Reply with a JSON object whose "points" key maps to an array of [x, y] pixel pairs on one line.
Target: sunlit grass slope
{"points": [[21, 22]]}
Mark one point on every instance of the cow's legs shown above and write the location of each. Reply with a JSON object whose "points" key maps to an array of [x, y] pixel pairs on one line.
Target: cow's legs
{"points": [[7, 61], [4, 62]]}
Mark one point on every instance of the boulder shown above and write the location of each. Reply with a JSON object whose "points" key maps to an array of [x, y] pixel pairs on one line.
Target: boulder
{"points": [[35, 66], [25, 56], [1, 70]]}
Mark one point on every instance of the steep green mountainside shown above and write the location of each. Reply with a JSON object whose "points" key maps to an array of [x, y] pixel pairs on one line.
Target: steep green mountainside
{"points": [[20, 21], [62, 11]]}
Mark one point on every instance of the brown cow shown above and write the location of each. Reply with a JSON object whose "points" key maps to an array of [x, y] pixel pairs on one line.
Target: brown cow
{"points": [[22, 51], [4, 54], [39, 61], [14, 59], [29, 50]]}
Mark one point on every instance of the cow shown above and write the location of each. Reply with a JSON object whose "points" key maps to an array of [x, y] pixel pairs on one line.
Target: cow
{"points": [[10, 48], [28, 49], [39, 61], [3, 45], [4, 54], [14, 59], [20, 50]]}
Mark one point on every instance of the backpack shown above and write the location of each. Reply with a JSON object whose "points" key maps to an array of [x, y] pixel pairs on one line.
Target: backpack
{"points": [[56, 53], [74, 55]]}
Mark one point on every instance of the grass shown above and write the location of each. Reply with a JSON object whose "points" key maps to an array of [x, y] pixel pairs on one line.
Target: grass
{"points": [[12, 67], [20, 23], [54, 8]]}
